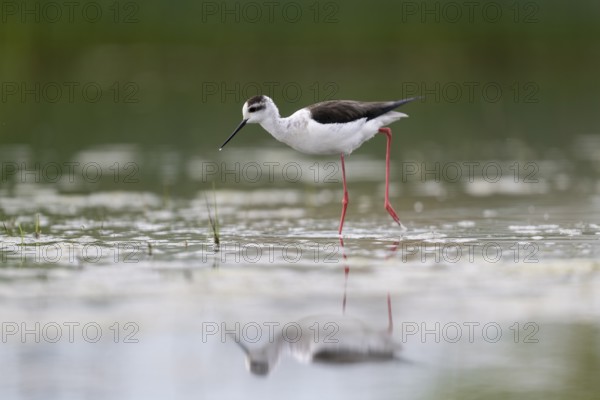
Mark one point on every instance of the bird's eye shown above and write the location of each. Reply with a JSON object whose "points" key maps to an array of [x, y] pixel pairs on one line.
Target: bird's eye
{"points": [[252, 109]]}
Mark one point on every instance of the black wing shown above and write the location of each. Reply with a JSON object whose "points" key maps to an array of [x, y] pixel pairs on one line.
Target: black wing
{"points": [[341, 111]]}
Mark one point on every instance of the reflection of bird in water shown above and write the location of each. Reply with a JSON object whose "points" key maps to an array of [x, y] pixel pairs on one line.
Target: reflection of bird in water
{"points": [[324, 339]]}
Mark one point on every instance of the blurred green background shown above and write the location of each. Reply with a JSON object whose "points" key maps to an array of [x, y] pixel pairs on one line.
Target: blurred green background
{"points": [[177, 73]]}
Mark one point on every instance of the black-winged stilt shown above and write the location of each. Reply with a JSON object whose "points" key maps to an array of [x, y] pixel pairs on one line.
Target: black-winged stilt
{"points": [[330, 127]]}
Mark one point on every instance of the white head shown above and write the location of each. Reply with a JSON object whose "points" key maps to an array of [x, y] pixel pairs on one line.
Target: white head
{"points": [[258, 108], [254, 111]]}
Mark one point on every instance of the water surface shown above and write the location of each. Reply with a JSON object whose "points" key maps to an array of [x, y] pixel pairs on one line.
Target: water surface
{"points": [[493, 286]]}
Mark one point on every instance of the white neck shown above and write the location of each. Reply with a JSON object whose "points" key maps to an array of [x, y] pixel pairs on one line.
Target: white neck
{"points": [[276, 126]]}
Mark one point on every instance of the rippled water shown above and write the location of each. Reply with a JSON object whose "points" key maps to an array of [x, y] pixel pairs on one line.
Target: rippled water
{"points": [[493, 287]]}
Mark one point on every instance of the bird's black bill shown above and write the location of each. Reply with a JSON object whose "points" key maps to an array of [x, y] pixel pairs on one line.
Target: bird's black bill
{"points": [[240, 126]]}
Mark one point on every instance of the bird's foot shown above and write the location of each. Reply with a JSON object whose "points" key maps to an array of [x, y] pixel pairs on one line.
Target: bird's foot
{"points": [[393, 214]]}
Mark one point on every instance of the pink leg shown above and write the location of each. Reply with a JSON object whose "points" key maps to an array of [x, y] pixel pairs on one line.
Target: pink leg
{"points": [[346, 272], [390, 321], [393, 249], [345, 198], [388, 132]]}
